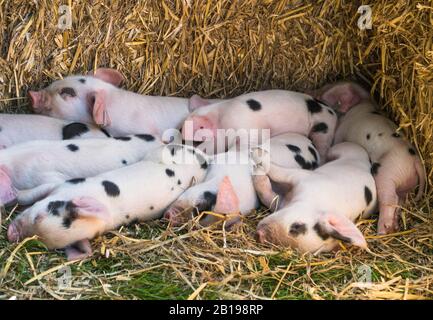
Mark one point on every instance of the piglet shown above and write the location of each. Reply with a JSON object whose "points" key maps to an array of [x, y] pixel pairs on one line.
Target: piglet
{"points": [[317, 208], [396, 165], [29, 171], [19, 128], [276, 110], [228, 188], [75, 213], [98, 99]]}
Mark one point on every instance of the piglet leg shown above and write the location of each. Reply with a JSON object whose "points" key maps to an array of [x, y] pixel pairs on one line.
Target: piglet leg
{"points": [[79, 250], [388, 204], [30, 196], [322, 142], [267, 196]]}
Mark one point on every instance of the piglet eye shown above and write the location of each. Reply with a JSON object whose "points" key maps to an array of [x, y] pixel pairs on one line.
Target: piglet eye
{"points": [[68, 92]]}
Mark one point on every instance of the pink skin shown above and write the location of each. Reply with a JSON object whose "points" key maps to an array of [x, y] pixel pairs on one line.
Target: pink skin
{"points": [[400, 169], [277, 110], [97, 99], [8, 194], [227, 203]]}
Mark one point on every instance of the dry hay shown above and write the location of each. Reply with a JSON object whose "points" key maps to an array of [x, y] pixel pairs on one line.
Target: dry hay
{"points": [[221, 48]]}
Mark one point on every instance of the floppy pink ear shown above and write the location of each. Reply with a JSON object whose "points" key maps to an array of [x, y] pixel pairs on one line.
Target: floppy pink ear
{"points": [[342, 228], [39, 100], [345, 96], [227, 201], [196, 102], [98, 108], [88, 207], [109, 75]]}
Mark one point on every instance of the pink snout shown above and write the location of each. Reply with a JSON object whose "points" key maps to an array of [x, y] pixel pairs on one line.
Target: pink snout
{"points": [[13, 232], [261, 236]]}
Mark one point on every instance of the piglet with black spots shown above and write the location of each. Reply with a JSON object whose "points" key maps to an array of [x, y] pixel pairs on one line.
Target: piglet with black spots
{"points": [[98, 99], [317, 208], [228, 189], [19, 128], [75, 213], [277, 110], [31, 170], [396, 165]]}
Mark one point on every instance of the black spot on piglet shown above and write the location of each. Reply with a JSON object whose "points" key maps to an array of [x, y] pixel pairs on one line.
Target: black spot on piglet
{"points": [[313, 106], [54, 206], [412, 151], [145, 137], [207, 202], [71, 214], [76, 180], [298, 228], [320, 127], [123, 138], [254, 105], [169, 172], [303, 163], [368, 195], [72, 147], [111, 188], [375, 168], [293, 148], [73, 130]]}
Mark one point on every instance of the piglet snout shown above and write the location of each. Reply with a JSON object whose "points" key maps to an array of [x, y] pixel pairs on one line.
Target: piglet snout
{"points": [[13, 232], [261, 236]]}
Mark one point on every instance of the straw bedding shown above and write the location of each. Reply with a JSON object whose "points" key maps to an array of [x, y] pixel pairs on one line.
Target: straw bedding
{"points": [[221, 48]]}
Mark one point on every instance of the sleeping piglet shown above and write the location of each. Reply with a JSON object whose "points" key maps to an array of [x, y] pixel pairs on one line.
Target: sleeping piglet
{"points": [[317, 208], [76, 212], [98, 99], [36, 168], [279, 111], [228, 187], [396, 166], [18, 128]]}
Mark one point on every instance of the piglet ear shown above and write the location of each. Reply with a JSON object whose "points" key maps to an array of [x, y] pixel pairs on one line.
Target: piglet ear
{"points": [[227, 201], [97, 106], [88, 207], [344, 96], [109, 75], [196, 102], [341, 228], [39, 100]]}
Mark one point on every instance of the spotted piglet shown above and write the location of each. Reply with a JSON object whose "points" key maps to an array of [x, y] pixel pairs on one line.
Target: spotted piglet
{"points": [[396, 166], [228, 188], [98, 99], [317, 208], [29, 171], [19, 128], [74, 213], [277, 110]]}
